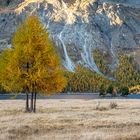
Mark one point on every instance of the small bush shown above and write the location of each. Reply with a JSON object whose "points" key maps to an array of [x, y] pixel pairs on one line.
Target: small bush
{"points": [[102, 91], [113, 105], [110, 89], [124, 91]]}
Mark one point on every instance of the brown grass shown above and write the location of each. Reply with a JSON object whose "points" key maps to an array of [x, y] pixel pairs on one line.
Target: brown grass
{"points": [[70, 120]]}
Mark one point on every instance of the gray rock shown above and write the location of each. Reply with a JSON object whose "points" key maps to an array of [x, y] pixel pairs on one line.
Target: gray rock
{"points": [[78, 27]]}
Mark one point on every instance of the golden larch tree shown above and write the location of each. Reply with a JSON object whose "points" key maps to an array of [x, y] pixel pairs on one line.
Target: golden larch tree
{"points": [[32, 65]]}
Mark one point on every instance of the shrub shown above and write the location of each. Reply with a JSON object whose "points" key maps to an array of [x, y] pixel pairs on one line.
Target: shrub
{"points": [[110, 89], [102, 91], [124, 91], [113, 105]]}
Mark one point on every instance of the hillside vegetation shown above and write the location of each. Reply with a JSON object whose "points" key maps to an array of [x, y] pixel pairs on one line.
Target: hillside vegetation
{"points": [[125, 75]]}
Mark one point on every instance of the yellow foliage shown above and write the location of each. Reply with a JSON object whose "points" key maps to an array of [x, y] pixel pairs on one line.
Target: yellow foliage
{"points": [[84, 80], [32, 64], [135, 89]]}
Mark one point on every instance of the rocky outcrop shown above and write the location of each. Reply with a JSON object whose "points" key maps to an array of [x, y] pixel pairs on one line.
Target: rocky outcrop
{"points": [[80, 26], [9, 3]]}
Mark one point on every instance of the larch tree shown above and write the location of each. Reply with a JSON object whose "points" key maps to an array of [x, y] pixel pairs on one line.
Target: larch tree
{"points": [[32, 64], [126, 74]]}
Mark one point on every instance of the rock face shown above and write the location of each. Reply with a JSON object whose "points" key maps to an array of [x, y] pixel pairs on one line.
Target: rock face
{"points": [[79, 26], [5, 3]]}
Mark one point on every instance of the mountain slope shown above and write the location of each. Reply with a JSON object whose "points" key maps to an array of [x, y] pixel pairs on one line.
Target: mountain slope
{"points": [[80, 26]]}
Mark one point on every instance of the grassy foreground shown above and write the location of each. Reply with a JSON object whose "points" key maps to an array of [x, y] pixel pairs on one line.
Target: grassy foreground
{"points": [[70, 120]]}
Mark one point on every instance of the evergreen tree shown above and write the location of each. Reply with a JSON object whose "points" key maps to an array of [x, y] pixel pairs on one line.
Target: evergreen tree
{"points": [[101, 60], [126, 73]]}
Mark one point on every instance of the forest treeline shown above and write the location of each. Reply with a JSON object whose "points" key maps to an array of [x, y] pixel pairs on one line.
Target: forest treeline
{"points": [[32, 66], [124, 77]]}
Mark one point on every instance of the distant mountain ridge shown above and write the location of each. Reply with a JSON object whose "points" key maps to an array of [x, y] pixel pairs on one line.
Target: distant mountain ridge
{"points": [[78, 27], [135, 3]]}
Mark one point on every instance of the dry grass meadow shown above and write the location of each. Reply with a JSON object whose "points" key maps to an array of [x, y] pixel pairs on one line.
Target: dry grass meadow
{"points": [[69, 119]]}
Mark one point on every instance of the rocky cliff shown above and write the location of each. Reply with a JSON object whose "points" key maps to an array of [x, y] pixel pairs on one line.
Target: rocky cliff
{"points": [[78, 27]]}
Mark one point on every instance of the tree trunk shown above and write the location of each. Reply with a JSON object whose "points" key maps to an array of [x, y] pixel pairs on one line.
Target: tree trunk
{"points": [[35, 103], [32, 102], [27, 102]]}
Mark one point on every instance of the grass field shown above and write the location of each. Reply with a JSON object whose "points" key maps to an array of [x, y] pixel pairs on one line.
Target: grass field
{"points": [[70, 120]]}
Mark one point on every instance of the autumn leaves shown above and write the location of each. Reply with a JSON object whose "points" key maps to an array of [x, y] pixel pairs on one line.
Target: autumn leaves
{"points": [[31, 65]]}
